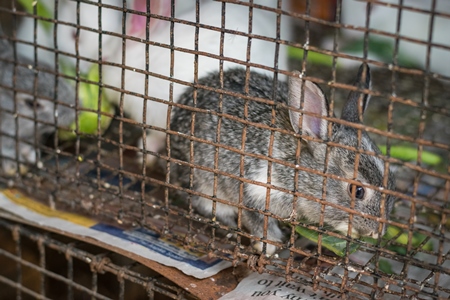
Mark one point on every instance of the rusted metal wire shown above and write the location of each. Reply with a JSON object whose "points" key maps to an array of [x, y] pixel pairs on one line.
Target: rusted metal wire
{"points": [[50, 266], [97, 174]]}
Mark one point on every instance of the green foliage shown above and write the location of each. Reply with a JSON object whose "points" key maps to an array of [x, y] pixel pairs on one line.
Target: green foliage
{"points": [[88, 94], [339, 246], [382, 48], [41, 10], [406, 153], [334, 244], [313, 57]]}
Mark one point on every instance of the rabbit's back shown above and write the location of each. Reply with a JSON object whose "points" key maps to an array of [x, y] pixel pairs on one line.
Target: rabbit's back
{"points": [[232, 117], [236, 122]]}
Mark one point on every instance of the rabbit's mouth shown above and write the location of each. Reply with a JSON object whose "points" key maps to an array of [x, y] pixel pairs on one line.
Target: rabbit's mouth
{"points": [[373, 235], [343, 228]]}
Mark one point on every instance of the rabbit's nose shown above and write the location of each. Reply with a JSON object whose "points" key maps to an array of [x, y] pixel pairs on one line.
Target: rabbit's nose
{"points": [[374, 235]]}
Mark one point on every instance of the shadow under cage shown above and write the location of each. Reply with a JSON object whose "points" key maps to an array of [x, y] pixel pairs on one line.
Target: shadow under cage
{"points": [[307, 140]]}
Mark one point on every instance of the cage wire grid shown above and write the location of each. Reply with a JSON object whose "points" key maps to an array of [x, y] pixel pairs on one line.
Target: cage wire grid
{"points": [[97, 174], [43, 265]]}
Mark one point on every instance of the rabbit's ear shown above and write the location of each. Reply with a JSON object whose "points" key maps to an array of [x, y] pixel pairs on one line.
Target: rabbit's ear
{"points": [[29, 101], [138, 23], [357, 102], [314, 102]]}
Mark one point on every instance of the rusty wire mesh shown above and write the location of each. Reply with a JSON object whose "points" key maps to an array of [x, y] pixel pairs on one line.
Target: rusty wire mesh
{"points": [[39, 264], [98, 175]]}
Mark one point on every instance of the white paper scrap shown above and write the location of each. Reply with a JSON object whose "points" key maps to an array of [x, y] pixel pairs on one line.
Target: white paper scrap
{"points": [[140, 241], [270, 287]]}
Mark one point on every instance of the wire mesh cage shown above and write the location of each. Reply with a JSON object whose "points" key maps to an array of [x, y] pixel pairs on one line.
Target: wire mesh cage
{"points": [[235, 129], [40, 264]]}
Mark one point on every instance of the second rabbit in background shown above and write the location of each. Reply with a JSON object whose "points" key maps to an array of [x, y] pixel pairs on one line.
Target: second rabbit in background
{"points": [[198, 49]]}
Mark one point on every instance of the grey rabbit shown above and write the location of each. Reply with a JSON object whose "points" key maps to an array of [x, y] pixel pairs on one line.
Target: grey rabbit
{"points": [[341, 161], [30, 98]]}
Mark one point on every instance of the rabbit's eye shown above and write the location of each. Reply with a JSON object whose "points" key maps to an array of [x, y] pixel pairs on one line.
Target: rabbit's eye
{"points": [[31, 103], [359, 191]]}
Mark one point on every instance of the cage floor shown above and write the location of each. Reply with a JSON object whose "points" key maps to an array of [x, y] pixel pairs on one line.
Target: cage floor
{"points": [[39, 264]]}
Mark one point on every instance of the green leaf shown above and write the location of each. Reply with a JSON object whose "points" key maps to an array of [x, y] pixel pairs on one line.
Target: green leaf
{"points": [[339, 246], [88, 94], [382, 48], [417, 239], [401, 238], [313, 57], [406, 153], [385, 266], [41, 10], [334, 244]]}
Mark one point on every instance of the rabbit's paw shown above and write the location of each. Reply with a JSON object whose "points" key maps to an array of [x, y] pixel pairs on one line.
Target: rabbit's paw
{"points": [[270, 249], [10, 165], [10, 168]]}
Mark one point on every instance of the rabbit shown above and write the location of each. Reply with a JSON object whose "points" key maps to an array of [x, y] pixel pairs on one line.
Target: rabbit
{"points": [[31, 111], [415, 25], [44, 37], [341, 162], [264, 23], [88, 41]]}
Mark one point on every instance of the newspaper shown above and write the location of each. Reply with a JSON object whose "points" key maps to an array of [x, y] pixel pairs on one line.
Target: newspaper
{"points": [[139, 241], [270, 287]]}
